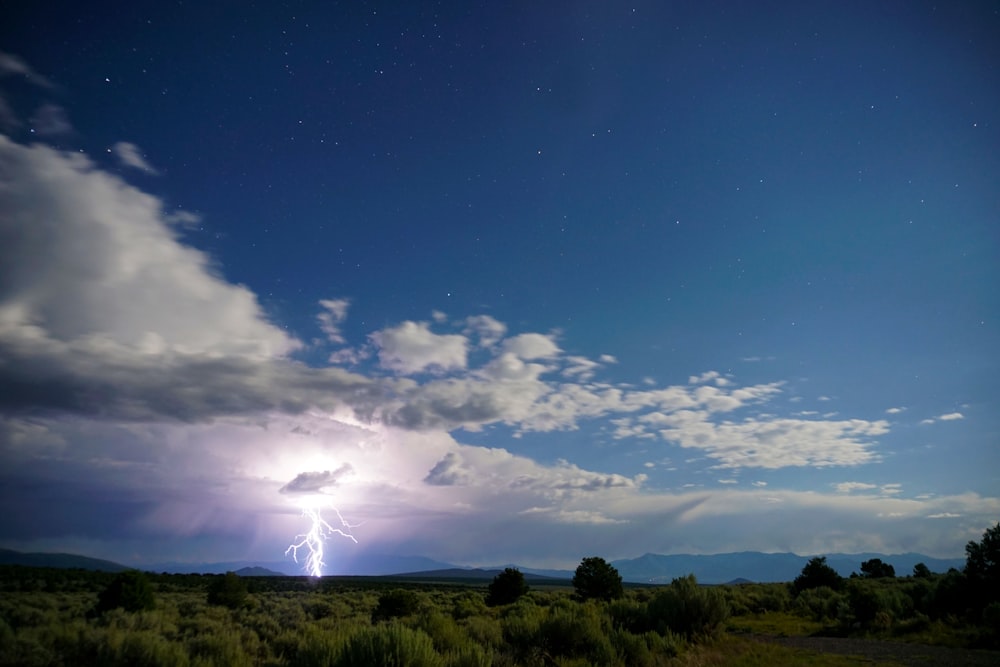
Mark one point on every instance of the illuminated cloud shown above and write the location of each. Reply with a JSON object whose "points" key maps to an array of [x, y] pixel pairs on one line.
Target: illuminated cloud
{"points": [[314, 482]]}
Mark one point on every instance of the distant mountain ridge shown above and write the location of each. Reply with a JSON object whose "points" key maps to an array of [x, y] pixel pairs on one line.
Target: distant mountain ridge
{"points": [[649, 568], [58, 560], [485, 574]]}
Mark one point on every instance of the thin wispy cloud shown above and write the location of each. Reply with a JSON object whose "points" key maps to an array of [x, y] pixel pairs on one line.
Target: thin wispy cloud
{"points": [[131, 155]]}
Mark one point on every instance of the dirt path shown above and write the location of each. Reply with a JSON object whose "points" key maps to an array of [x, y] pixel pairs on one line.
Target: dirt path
{"points": [[911, 655]]}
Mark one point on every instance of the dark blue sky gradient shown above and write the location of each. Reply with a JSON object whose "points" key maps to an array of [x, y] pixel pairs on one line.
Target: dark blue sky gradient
{"points": [[779, 191]]}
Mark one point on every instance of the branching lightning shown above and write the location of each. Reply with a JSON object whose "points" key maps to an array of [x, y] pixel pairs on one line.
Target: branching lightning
{"points": [[313, 540]]}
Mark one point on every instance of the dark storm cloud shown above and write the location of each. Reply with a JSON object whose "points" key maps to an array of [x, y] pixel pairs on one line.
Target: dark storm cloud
{"points": [[448, 472], [190, 389], [313, 482]]}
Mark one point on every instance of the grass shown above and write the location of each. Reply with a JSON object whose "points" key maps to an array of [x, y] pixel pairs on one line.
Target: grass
{"points": [[733, 651], [780, 624]]}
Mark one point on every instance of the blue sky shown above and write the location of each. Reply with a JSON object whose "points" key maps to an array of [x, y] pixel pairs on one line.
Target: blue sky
{"points": [[501, 283]]}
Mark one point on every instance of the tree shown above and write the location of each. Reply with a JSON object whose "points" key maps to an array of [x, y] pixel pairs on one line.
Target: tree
{"points": [[396, 603], [876, 569], [921, 571], [229, 590], [506, 587], [817, 573], [595, 578], [129, 590], [982, 565]]}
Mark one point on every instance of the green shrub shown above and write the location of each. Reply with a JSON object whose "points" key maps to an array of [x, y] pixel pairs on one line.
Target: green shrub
{"points": [[575, 630], [483, 630], [687, 609], [394, 604], [629, 615], [129, 590], [468, 605], [228, 590], [470, 655], [442, 630], [520, 626], [873, 606], [819, 604], [389, 645], [142, 648]]}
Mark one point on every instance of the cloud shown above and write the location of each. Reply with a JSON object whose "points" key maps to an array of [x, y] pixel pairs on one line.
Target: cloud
{"points": [[131, 365], [131, 156], [104, 311], [849, 487], [12, 65], [895, 411], [773, 442], [529, 346], [315, 482], [948, 417], [50, 120], [411, 348], [333, 315], [8, 119], [488, 329], [219, 482], [704, 377]]}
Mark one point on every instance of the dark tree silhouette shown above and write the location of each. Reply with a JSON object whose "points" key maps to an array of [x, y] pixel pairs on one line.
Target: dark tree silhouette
{"points": [[876, 569], [129, 590], [396, 603], [506, 587], [817, 573], [921, 571], [982, 566], [595, 578], [229, 590]]}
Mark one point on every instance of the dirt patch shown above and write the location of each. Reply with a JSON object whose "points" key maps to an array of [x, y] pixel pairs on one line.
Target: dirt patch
{"points": [[911, 655]]}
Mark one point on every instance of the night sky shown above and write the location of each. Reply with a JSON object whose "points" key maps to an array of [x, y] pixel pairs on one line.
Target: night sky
{"points": [[502, 282]]}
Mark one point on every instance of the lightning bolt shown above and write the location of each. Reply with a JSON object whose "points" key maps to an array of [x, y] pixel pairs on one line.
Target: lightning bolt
{"points": [[312, 540]]}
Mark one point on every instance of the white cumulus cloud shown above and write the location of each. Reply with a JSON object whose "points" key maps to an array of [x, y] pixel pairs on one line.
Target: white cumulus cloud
{"points": [[412, 347]]}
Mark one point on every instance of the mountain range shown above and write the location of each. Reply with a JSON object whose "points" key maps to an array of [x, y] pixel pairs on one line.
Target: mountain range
{"points": [[58, 560], [649, 568]]}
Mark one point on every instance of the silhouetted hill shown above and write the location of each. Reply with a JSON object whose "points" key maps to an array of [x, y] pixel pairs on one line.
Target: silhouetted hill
{"points": [[58, 560], [258, 572], [474, 574]]}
